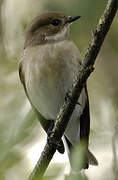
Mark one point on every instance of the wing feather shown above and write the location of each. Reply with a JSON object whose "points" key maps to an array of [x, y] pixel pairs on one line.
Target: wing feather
{"points": [[85, 120]]}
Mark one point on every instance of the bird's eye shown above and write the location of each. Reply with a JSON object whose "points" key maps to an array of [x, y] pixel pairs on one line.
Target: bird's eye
{"points": [[55, 22]]}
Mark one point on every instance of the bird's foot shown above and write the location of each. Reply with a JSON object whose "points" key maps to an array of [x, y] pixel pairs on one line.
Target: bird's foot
{"points": [[78, 104], [59, 145], [68, 97]]}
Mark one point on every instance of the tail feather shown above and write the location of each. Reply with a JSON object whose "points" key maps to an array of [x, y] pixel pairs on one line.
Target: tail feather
{"points": [[91, 159]]}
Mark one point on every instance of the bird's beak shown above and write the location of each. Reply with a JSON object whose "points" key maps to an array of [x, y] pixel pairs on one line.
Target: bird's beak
{"points": [[72, 19]]}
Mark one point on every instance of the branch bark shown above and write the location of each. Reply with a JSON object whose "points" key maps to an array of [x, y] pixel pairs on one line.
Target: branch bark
{"points": [[65, 113]]}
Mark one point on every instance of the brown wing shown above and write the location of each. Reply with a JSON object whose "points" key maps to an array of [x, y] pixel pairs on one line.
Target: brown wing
{"points": [[46, 124], [85, 120], [84, 129], [42, 120], [40, 117], [22, 78], [21, 74]]}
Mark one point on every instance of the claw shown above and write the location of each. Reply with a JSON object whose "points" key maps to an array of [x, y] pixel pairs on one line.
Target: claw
{"points": [[67, 97], [59, 145], [78, 104]]}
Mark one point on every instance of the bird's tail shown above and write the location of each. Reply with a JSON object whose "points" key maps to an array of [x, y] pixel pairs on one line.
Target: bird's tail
{"points": [[91, 159]]}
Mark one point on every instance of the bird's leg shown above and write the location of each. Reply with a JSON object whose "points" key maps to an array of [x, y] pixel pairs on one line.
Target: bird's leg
{"points": [[60, 145], [50, 128], [68, 97], [78, 104]]}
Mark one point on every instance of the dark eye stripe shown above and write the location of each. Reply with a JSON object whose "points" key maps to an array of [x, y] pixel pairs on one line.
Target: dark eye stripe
{"points": [[55, 22]]}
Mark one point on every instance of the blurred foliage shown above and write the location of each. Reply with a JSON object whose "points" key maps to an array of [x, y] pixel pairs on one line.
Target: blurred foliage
{"points": [[18, 125]]}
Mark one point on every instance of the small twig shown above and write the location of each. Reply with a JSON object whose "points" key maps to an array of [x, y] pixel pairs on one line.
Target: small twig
{"points": [[87, 67]]}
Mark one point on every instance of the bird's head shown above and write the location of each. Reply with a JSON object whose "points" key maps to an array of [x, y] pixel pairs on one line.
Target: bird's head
{"points": [[48, 27]]}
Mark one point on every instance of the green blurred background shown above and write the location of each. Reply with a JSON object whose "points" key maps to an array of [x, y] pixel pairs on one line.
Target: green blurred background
{"points": [[19, 128]]}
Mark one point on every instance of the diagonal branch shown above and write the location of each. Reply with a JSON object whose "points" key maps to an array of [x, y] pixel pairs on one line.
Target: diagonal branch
{"points": [[97, 39]]}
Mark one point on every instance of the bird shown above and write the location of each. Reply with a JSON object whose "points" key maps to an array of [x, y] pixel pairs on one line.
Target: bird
{"points": [[48, 67]]}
